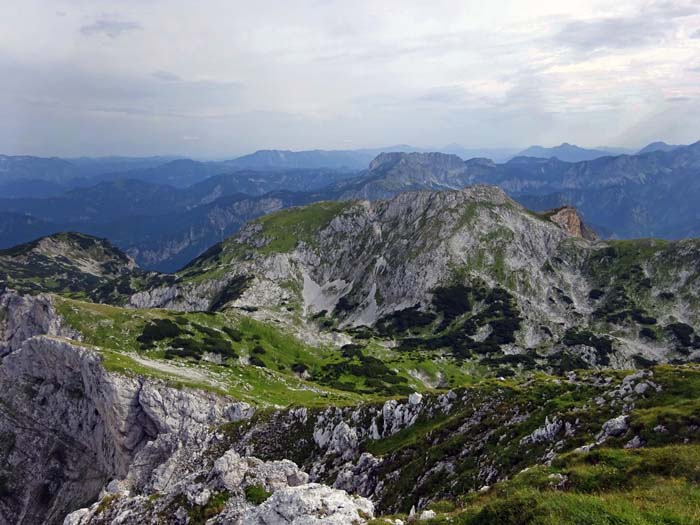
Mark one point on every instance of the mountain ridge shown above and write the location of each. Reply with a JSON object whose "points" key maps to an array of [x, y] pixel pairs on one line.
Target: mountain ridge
{"points": [[414, 350]]}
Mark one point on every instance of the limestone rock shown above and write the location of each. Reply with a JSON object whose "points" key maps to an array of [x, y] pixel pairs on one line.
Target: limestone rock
{"points": [[311, 504]]}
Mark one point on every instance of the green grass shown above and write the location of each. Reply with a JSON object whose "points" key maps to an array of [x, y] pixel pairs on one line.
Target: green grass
{"points": [[116, 331], [655, 486], [284, 229], [256, 494], [404, 438]]}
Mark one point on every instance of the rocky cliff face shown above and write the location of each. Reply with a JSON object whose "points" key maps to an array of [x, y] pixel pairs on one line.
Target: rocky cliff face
{"points": [[23, 317], [392, 173], [69, 427], [421, 261], [571, 222]]}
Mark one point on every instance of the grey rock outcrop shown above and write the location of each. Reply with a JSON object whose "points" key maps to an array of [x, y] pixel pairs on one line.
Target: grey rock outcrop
{"points": [[311, 504], [22, 317], [223, 493], [71, 426], [372, 260]]}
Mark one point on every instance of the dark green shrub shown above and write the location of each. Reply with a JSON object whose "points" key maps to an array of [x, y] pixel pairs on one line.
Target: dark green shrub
{"points": [[403, 320], [158, 330], [256, 361], [299, 368], [235, 334], [648, 333], [452, 301], [596, 294], [256, 494], [344, 305], [682, 332]]}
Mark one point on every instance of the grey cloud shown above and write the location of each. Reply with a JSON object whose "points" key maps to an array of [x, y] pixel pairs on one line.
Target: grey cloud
{"points": [[66, 88], [640, 29], [110, 27], [443, 95], [614, 33], [166, 76]]}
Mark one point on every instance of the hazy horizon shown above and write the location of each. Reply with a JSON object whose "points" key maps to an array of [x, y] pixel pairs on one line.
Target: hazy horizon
{"points": [[223, 79], [388, 148]]}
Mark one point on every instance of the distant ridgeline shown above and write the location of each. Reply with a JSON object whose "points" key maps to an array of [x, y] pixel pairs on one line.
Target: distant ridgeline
{"points": [[164, 212]]}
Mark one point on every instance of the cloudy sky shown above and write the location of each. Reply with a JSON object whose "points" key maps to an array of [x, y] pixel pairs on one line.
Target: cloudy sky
{"points": [[215, 78]]}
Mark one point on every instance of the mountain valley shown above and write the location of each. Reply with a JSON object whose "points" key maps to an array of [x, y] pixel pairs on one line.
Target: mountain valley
{"points": [[408, 342], [445, 351]]}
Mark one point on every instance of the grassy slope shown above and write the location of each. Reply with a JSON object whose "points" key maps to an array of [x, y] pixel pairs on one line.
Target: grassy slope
{"points": [[611, 485], [115, 332], [654, 485], [281, 231]]}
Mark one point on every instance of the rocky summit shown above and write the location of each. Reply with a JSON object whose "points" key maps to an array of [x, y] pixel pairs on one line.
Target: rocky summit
{"points": [[431, 357]]}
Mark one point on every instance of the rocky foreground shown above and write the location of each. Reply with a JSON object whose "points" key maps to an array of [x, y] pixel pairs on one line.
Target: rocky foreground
{"points": [[83, 445], [149, 453]]}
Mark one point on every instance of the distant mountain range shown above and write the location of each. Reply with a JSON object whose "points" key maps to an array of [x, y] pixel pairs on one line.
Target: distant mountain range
{"points": [[658, 146], [569, 152], [29, 176], [163, 215]]}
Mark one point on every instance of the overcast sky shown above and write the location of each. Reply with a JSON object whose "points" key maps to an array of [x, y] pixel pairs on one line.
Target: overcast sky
{"points": [[215, 78]]}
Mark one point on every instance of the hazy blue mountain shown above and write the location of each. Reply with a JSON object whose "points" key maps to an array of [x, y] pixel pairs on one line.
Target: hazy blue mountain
{"points": [[649, 195], [283, 159], [393, 173], [16, 228], [32, 188], [657, 146], [654, 194], [168, 242], [179, 173], [495, 154], [93, 166], [612, 150], [313, 159], [162, 225], [252, 182], [567, 152], [102, 202], [24, 167]]}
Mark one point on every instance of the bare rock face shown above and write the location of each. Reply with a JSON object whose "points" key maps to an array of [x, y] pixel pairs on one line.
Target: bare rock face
{"points": [[569, 220], [72, 433], [22, 317], [234, 490], [311, 504], [67, 426], [369, 261]]}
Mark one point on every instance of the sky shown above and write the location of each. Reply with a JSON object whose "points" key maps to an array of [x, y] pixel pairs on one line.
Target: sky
{"points": [[219, 78]]}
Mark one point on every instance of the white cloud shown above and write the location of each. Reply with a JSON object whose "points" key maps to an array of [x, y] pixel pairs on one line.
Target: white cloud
{"points": [[110, 27], [331, 74]]}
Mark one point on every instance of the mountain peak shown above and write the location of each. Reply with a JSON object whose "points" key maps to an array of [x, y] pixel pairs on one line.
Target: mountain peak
{"points": [[565, 151], [657, 146], [69, 263], [569, 220], [432, 159]]}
